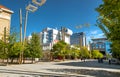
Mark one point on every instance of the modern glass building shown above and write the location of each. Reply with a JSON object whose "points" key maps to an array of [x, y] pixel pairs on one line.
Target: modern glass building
{"points": [[78, 39]]}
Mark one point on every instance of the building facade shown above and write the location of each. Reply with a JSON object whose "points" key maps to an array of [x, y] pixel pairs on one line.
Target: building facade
{"points": [[101, 44], [78, 39], [5, 20], [51, 36], [65, 34]]}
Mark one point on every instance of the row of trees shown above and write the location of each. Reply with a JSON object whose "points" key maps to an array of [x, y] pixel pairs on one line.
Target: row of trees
{"points": [[62, 50], [109, 23], [13, 49]]}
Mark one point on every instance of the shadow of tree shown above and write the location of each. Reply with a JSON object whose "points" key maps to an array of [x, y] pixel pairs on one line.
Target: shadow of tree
{"points": [[22, 73], [93, 64]]}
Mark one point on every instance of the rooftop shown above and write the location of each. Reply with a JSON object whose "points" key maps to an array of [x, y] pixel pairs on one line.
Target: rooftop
{"points": [[3, 8], [95, 39]]}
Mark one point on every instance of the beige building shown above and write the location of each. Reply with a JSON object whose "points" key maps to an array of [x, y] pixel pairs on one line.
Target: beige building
{"points": [[5, 20]]}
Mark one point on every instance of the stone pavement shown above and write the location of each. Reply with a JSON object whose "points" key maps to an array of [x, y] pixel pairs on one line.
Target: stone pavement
{"points": [[57, 69]]}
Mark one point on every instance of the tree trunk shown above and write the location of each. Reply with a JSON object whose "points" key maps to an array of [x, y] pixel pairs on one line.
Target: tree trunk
{"points": [[63, 58], [12, 60], [7, 61], [23, 60], [32, 60]]}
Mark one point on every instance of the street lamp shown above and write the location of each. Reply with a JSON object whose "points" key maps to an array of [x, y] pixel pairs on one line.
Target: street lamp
{"points": [[39, 3], [31, 8], [28, 8]]}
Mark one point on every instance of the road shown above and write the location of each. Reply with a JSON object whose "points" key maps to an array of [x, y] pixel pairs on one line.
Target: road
{"points": [[72, 68]]}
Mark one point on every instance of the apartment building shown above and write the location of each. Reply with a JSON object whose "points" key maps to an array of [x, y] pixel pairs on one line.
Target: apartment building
{"points": [[51, 36], [5, 21]]}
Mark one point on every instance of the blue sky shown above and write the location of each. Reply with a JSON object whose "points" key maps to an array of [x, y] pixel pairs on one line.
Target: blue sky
{"points": [[57, 13]]}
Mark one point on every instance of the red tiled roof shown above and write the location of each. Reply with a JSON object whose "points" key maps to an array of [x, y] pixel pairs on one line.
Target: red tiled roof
{"points": [[1, 6]]}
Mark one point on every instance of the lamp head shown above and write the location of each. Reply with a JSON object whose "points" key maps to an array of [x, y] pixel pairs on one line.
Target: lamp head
{"points": [[31, 8], [39, 3]]}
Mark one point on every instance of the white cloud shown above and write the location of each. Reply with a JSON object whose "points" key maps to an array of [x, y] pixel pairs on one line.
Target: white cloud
{"points": [[94, 32], [100, 35]]}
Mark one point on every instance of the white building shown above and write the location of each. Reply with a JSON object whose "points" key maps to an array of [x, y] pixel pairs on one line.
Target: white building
{"points": [[49, 37], [52, 36]]}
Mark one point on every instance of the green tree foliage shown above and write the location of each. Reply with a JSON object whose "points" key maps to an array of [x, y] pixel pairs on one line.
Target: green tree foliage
{"points": [[15, 50], [27, 52], [34, 46], [13, 44], [75, 52], [11, 48], [84, 52], [97, 54], [3, 53], [109, 22], [61, 49]]}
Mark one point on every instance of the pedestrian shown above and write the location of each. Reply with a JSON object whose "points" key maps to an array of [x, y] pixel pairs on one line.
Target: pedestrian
{"points": [[109, 60]]}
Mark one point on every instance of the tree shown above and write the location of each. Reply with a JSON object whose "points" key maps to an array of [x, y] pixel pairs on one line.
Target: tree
{"points": [[3, 53], [35, 47], [13, 45], [15, 50], [27, 52], [84, 52], [75, 52], [61, 49], [109, 23], [8, 43], [97, 54]]}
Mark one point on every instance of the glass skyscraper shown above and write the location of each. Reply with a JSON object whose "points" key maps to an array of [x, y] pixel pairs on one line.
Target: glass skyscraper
{"points": [[78, 39]]}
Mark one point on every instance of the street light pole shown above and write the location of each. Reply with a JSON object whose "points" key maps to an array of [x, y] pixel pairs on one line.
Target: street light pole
{"points": [[20, 14], [25, 24], [31, 8]]}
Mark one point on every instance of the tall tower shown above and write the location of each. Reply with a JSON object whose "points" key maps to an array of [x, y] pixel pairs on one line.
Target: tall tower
{"points": [[5, 19], [78, 39]]}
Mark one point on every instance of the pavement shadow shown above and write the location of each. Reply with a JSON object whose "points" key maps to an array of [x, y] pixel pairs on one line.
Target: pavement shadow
{"points": [[22, 73], [93, 64]]}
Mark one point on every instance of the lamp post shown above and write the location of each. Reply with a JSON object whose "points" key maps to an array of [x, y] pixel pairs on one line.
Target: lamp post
{"points": [[29, 8], [20, 16]]}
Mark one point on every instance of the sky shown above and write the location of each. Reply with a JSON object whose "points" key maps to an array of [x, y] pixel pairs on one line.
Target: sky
{"points": [[72, 14]]}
